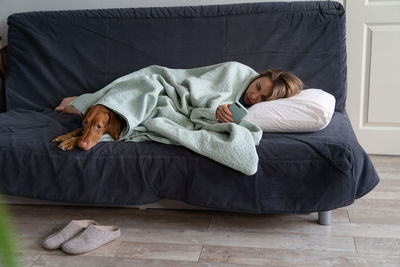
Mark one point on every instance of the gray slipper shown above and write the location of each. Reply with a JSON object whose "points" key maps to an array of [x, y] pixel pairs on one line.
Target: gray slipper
{"points": [[93, 237], [55, 240]]}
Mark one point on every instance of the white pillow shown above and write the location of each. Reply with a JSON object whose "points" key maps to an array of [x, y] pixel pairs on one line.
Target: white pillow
{"points": [[310, 110]]}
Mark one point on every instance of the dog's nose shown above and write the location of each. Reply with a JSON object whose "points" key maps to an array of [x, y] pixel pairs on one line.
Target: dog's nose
{"points": [[83, 145]]}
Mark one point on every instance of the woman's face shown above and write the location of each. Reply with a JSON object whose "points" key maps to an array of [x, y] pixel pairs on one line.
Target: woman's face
{"points": [[258, 91]]}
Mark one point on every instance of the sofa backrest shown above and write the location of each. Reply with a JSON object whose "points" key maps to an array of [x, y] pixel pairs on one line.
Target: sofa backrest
{"points": [[56, 54]]}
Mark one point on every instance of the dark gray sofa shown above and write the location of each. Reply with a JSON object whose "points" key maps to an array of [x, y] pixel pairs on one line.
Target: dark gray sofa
{"points": [[52, 55]]}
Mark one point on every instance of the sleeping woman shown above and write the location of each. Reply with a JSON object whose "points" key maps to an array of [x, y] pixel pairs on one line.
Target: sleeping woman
{"points": [[269, 85]]}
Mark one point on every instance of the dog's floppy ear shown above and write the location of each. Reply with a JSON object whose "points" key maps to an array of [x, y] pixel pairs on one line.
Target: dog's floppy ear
{"points": [[114, 126], [87, 111]]}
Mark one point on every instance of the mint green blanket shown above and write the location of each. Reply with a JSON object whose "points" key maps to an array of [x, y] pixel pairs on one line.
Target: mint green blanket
{"points": [[178, 106]]}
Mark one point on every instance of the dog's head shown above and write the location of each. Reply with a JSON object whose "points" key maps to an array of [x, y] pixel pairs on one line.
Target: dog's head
{"points": [[97, 121]]}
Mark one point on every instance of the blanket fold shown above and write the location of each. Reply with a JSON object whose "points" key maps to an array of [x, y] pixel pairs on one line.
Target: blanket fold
{"points": [[178, 106]]}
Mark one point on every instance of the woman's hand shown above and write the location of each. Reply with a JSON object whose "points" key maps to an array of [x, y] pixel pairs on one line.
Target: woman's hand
{"points": [[223, 113]]}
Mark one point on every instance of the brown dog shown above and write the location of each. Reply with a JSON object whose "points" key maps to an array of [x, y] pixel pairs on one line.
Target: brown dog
{"points": [[97, 121]]}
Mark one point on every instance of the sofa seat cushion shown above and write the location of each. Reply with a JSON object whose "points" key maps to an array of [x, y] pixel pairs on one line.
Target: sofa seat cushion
{"points": [[297, 172]]}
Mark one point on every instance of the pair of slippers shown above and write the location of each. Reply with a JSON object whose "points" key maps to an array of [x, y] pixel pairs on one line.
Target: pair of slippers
{"points": [[81, 236]]}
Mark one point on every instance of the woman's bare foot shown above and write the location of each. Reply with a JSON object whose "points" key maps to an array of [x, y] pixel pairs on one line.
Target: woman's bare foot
{"points": [[66, 107]]}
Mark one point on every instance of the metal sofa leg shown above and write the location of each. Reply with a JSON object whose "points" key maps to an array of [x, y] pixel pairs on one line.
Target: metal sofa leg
{"points": [[325, 217]]}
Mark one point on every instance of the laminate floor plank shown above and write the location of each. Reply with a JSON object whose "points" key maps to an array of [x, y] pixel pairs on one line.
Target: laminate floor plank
{"points": [[388, 246], [148, 250], [83, 261], [375, 217], [298, 257], [237, 224]]}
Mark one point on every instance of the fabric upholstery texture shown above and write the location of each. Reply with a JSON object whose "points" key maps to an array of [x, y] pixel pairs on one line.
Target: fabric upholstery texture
{"points": [[74, 52], [58, 54]]}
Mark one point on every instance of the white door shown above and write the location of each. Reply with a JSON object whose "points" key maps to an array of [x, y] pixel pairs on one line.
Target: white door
{"points": [[373, 58]]}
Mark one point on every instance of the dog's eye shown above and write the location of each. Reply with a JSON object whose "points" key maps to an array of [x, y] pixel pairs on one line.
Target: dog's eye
{"points": [[99, 126]]}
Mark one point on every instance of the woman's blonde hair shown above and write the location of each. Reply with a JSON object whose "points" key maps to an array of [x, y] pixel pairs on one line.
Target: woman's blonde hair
{"points": [[284, 83]]}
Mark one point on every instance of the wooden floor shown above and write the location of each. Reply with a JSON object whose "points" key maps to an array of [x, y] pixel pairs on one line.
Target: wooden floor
{"points": [[366, 233]]}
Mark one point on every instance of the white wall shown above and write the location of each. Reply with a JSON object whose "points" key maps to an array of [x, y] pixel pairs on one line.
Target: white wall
{"points": [[8, 7]]}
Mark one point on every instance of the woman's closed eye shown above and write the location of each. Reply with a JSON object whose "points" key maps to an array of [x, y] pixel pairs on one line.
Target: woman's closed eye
{"points": [[258, 86]]}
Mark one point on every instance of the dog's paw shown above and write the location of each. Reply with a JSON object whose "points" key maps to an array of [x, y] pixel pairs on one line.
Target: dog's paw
{"points": [[68, 144], [59, 139], [62, 138], [67, 136]]}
